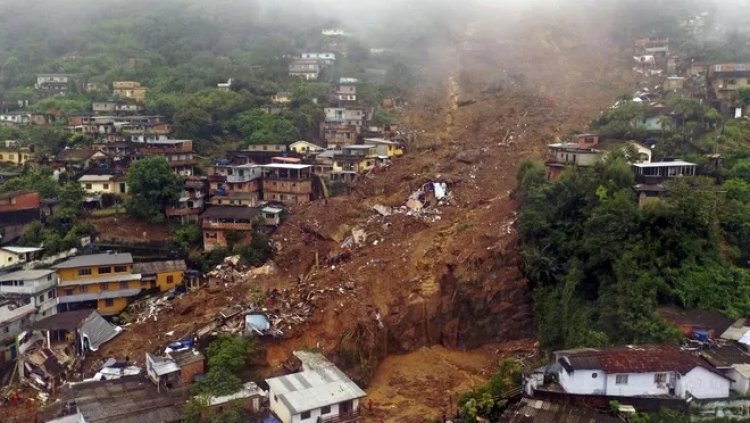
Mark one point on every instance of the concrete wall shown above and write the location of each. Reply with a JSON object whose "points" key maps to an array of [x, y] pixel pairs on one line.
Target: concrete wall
{"points": [[583, 381], [638, 384], [740, 384], [702, 383]]}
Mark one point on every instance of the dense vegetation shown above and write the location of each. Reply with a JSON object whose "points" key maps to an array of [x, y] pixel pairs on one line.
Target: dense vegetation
{"points": [[600, 265]]}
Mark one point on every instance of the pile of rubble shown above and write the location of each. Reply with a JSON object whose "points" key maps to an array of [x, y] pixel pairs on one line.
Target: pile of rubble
{"points": [[422, 203]]}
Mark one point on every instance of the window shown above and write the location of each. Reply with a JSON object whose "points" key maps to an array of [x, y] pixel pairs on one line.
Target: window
{"points": [[68, 291], [104, 286], [6, 329], [123, 285], [325, 410], [105, 269], [41, 298], [170, 279], [105, 186], [660, 378], [621, 380], [305, 415], [52, 294], [121, 269], [109, 302], [88, 186]]}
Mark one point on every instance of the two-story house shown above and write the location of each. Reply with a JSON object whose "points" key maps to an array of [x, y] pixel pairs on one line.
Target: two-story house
{"points": [[192, 200], [102, 281], [27, 296], [40, 284], [319, 393], [163, 275], [288, 183], [345, 92], [640, 370], [241, 187], [385, 148], [179, 154], [129, 89], [16, 313], [726, 80], [307, 69], [345, 116], [13, 153], [17, 209], [51, 84], [355, 158], [336, 136], [217, 222]]}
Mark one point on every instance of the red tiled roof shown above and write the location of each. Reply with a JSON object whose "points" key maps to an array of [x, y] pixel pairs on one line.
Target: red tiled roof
{"points": [[637, 359]]}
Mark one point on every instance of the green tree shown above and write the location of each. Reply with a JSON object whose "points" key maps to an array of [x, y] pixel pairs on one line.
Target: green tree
{"points": [[152, 187], [226, 357]]}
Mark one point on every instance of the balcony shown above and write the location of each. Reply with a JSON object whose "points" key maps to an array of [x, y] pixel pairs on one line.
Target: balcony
{"points": [[350, 417]]}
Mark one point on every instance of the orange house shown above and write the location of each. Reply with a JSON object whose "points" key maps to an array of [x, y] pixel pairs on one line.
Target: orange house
{"points": [[102, 281]]}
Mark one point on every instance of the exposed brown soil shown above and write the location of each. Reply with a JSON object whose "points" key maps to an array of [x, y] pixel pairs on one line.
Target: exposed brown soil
{"points": [[129, 229], [440, 286]]}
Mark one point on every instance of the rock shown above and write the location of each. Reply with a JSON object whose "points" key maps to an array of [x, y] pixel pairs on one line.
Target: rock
{"points": [[468, 156]]}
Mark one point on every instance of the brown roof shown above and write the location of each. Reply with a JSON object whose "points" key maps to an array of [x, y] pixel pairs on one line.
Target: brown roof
{"points": [[154, 267], [229, 212], [636, 359], [703, 319], [726, 356]]}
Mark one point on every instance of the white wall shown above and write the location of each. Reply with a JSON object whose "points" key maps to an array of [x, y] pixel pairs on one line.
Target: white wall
{"points": [[279, 409], [702, 383], [583, 381], [638, 384], [740, 384]]}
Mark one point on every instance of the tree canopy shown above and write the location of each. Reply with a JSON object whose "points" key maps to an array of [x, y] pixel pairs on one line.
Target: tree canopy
{"points": [[152, 187]]}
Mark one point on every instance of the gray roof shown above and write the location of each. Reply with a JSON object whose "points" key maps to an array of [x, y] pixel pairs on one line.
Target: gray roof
{"points": [[130, 399], [96, 260], [315, 388], [25, 275], [155, 267], [98, 331]]}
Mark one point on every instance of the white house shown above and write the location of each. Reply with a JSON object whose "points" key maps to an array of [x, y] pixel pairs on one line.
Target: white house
{"points": [[319, 393], [98, 184], [633, 371], [40, 284], [14, 256]]}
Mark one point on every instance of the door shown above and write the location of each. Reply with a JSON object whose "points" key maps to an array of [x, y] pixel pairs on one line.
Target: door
{"points": [[345, 407]]}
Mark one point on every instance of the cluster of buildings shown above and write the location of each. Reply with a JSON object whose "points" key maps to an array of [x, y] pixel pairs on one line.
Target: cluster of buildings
{"points": [[318, 392], [107, 282], [708, 376]]}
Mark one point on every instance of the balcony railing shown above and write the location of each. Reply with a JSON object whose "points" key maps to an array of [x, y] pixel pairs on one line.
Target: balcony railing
{"points": [[350, 417]]}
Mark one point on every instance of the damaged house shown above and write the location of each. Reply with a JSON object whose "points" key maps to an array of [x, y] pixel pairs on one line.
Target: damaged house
{"points": [[176, 369], [54, 346], [319, 392]]}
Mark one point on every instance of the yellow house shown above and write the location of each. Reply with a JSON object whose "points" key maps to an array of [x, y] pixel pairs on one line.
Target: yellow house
{"points": [[102, 281], [11, 152], [385, 148], [355, 158], [164, 275], [129, 89], [103, 184], [305, 147]]}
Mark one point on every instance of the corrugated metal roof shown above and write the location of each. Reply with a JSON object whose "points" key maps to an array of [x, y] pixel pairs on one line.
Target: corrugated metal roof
{"points": [[96, 260], [154, 267], [312, 389], [98, 331], [130, 399]]}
